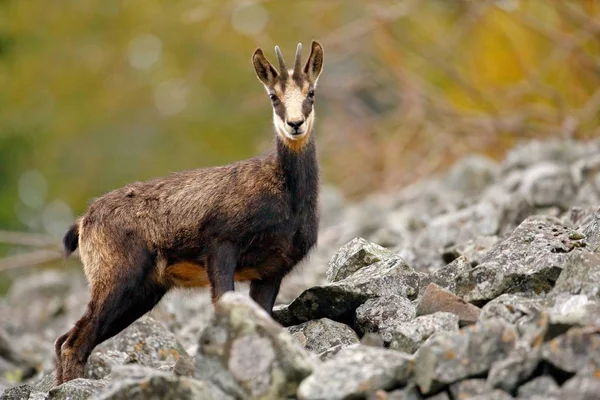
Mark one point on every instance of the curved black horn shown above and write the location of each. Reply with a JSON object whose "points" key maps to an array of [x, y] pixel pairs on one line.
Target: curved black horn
{"points": [[297, 62], [282, 67]]}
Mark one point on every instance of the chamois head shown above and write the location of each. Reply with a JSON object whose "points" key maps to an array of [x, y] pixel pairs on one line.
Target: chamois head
{"points": [[292, 92]]}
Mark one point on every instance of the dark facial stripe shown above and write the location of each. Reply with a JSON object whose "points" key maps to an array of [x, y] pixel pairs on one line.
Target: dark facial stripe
{"points": [[307, 106], [279, 109]]}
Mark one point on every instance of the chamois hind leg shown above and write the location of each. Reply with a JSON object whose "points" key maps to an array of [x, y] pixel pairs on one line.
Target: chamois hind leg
{"points": [[112, 308], [221, 269], [264, 292]]}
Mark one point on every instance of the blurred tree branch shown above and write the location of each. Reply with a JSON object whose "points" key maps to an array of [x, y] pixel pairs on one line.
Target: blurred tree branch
{"points": [[48, 250], [30, 259]]}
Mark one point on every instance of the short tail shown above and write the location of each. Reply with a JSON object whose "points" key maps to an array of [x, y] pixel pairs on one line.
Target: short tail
{"points": [[71, 239]]}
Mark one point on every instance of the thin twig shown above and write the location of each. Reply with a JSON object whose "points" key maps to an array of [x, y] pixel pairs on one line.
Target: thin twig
{"points": [[31, 259], [28, 239]]}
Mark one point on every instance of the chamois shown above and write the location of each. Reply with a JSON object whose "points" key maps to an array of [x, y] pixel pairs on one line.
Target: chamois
{"points": [[253, 220]]}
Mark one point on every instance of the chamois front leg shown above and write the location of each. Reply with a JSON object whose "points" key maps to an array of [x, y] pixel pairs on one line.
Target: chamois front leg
{"points": [[221, 269], [264, 292]]}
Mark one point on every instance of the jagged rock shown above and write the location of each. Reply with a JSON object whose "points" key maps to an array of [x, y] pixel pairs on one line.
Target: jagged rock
{"points": [[185, 314], [437, 299], [354, 255], [445, 276], [548, 184], [561, 151], [21, 392], [383, 315], [580, 274], [472, 174], [101, 363], [247, 354], [339, 300], [510, 372], [37, 301], [282, 314], [513, 206], [477, 389], [408, 336], [447, 357], [146, 342], [184, 367], [440, 396], [356, 372], [481, 219], [45, 383], [77, 389], [332, 351], [144, 383], [592, 231], [14, 367], [527, 315], [580, 388], [543, 387], [472, 251], [580, 218], [511, 308], [321, 335], [586, 177], [372, 339], [530, 260], [574, 310], [574, 350], [409, 392]]}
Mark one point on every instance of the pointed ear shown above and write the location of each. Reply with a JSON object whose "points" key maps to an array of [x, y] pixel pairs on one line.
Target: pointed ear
{"points": [[264, 70], [314, 64]]}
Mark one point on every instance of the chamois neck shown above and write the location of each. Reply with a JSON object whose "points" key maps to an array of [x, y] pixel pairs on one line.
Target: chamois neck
{"points": [[300, 170]]}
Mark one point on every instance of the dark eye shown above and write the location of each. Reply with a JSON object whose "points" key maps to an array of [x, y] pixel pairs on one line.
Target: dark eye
{"points": [[273, 97], [311, 93]]}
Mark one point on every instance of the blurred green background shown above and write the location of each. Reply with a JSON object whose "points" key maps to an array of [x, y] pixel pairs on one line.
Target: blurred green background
{"points": [[95, 94]]}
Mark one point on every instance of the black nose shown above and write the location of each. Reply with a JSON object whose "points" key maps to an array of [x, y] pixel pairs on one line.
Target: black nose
{"points": [[295, 124]]}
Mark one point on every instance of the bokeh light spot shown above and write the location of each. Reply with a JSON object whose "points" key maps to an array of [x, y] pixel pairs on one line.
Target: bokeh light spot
{"points": [[144, 51], [249, 19]]}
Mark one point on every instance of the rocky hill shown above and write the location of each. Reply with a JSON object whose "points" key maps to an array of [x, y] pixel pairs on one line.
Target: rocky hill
{"points": [[482, 283]]}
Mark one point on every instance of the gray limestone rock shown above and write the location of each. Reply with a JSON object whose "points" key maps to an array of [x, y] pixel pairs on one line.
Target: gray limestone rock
{"points": [[383, 315], [580, 275], [580, 388], [548, 184], [518, 367], [575, 350], [247, 354], [472, 174], [476, 389], [447, 357], [77, 389], [20, 392], [356, 372], [530, 260], [354, 255], [408, 336], [445, 276], [574, 310], [409, 392], [543, 386], [528, 316], [146, 342], [142, 383], [472, 251], [481, 219], [339, 300], [321, 335]]}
